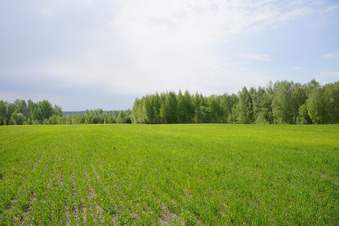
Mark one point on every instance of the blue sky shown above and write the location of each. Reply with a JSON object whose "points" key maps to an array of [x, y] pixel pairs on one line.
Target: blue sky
{"points": [[103, 54]]}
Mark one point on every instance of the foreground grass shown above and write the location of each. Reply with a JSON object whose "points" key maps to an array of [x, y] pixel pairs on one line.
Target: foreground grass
{"points": [[169, 174]]}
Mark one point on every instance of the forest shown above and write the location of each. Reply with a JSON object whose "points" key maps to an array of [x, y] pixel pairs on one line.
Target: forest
{"points": [[283, 102], [21, 113], [280, 103]]}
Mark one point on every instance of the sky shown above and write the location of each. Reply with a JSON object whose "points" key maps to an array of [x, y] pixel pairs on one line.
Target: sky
{"points": [[91, 54]]}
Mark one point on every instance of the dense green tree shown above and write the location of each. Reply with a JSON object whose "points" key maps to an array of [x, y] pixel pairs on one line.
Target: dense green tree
{"points": [[189, 107], [198, 100], [216, 110], [21, 107], [10, 108], [57, 110], [262, 107], [17, 118], [298, 98], [19, 112], [37, 115], [136, 115], [185, 108], [270, 95], [245, 107], [205, 114], [148, 109], [317, 106], [122, 117], [255, 103], [303, 117], [310, 86], [20, 118], [2, 112], [181, 107], [13, 119], [228, 103], [46, 109], [169, 111], [332, 100], [224, 108], [53, 120], [282, 102], [233, 116], [31, 105], [156, 101]]}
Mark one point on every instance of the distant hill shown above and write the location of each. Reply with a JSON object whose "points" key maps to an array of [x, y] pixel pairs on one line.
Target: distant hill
{"points": [[73, 112], [116, 112]]}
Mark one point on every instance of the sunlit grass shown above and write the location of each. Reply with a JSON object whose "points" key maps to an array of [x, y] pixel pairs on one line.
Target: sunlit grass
{"points": [[169, 174]]}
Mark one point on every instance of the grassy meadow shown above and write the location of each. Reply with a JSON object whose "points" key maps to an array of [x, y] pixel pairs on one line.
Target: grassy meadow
{"points": [[213, 174]]}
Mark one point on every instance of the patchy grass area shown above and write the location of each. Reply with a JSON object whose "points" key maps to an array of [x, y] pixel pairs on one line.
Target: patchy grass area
{"points": [[169, 174]]}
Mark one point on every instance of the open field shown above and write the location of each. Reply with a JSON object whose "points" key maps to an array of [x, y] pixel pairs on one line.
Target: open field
{"points": [[169, 174]]}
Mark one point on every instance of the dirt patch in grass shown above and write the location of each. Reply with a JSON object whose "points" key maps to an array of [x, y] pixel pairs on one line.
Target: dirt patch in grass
{"points": [[169, 218]]}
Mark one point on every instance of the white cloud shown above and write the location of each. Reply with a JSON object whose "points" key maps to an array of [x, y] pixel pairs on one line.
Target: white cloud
{"points": [[255, 56], [297, 68], [135, 47], [332, 7], [171, 40], [328, 75], [195, 24], [330, 56]]}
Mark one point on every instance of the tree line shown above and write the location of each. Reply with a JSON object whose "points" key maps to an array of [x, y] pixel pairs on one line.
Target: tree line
{"points": [[97, 116], [283, 102], [280, 103], [21, 112]]}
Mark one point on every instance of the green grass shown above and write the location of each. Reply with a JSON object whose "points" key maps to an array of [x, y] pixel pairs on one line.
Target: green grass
{"points": [[169, 174]]}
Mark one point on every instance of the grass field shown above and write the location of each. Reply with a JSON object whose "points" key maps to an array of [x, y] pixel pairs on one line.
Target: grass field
{"points": [[169, 174]]}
